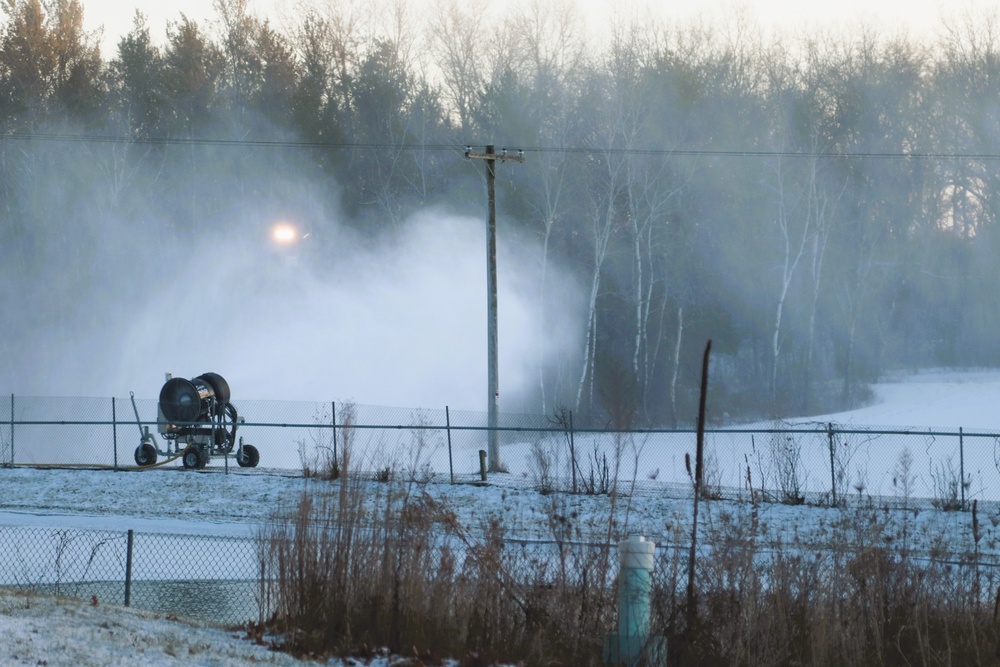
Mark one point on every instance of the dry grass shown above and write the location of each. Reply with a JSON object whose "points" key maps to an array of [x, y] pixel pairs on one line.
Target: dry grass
{"points": [[356, 564], [868, 599], [404, 575]]}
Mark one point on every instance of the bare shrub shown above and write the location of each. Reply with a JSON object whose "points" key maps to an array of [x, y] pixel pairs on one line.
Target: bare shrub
{"points": [[786, 457], [536, 604], [317, 457], [903, 478], [843, 448], [416, 579], [711, 482], [358, 566], [421, 448], [865, 598], [597, 479], [544, 462], [948, 486]]}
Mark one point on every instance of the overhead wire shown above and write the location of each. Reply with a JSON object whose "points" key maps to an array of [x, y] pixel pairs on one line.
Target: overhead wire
{"points": [[460, 148]]}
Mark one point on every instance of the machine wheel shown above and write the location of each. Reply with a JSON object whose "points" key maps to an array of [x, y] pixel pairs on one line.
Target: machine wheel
{"points": [[247, 456], [194, 458], [145, 454]]}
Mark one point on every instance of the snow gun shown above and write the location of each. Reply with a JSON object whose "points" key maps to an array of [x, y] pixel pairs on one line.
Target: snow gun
{"points": [[198, 421]]}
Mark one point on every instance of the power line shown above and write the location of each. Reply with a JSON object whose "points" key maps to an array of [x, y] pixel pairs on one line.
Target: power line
{"points": [[460, 148]]}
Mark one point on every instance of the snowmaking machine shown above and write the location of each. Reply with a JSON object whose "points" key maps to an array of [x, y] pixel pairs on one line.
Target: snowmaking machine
{"points": [[198, 421]]}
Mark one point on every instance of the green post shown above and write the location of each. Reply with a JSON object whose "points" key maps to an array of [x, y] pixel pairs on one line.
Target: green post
{"points": [[632, 645]]}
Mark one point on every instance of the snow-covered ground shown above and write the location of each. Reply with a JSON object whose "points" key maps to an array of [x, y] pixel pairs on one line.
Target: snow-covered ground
{"points": [[931, 399], [38, 630]]}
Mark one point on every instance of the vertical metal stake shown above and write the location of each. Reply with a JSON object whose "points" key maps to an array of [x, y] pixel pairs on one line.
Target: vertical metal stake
{"points": [[333, 419], [833, 474], [114, 429], [265, 605], [12, 429], [447, 422], [128, 569], [961, 464], [572, 450]]}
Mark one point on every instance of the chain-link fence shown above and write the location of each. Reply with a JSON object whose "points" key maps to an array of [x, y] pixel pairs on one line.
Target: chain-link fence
{"points": [[245, 580], [216, 579], [819, 462]]}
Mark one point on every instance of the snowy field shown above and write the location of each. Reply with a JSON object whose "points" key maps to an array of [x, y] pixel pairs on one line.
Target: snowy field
{"points": [[37, 630]]}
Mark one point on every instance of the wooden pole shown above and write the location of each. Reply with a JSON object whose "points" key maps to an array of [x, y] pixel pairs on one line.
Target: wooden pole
{"points": [[492, 363], [692, 611], [493, 379]]}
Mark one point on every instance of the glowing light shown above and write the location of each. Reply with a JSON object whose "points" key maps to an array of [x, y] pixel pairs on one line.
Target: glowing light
{"points": [[284, 234]]}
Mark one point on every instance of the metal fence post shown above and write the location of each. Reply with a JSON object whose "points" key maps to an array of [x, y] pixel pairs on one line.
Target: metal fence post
{"points": [[961, 464], [12, 429], [447, 423], [128, 569], [333, 420], [833, 472], [263, 607], [572, 450], [114, 429]]}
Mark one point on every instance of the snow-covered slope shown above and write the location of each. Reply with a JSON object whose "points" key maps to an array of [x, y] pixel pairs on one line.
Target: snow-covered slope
{"points": [[932, 399]]}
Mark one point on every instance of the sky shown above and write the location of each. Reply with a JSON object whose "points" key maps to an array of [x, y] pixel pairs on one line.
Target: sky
{"points": [[918, 17]]}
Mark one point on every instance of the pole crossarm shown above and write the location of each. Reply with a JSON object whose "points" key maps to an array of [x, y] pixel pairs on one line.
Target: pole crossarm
{"points": [[503, 156]]}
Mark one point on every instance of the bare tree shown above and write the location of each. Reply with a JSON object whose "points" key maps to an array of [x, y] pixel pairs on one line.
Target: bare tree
{"points": [[555, 55], [456, 36]]}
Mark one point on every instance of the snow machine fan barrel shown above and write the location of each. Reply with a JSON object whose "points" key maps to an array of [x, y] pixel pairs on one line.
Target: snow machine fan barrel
{"points": [[198, 422], [191, 400]]}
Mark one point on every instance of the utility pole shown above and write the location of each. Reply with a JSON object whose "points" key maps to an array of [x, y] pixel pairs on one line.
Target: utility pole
{"points": [[493, 391]]}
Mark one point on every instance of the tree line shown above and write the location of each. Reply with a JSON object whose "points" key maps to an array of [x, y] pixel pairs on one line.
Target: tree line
{"points": [[823, 207]]}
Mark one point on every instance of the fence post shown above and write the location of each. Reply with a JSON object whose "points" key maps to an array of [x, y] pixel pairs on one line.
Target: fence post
{"points": [[114, 429], [572, 450], [264, 606], [482, 465], [12, 430], [833, 472], [128, 569], [961, 464], [333, 421], [447, 424]]}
